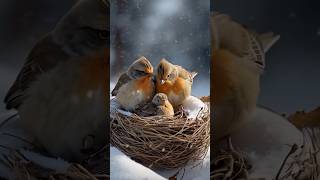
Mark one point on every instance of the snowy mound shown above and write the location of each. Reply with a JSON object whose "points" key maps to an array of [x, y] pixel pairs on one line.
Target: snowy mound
{"points": [[266, 139]]}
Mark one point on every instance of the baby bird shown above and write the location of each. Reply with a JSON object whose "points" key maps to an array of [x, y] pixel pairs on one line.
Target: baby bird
{"points": [[136, 86], [238, 60], [159, 106], [174, 81]]}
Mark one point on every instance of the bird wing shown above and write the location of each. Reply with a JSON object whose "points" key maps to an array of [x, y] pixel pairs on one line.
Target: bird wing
{"points": [[161, 110], [183, 73], [123, 79], [268, 40], [43, 57], [148, 109]]}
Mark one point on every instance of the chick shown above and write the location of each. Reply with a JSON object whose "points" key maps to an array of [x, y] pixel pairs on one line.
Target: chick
{"points": [[160, 106], [174, 81], [136, 87], [238, 60]]}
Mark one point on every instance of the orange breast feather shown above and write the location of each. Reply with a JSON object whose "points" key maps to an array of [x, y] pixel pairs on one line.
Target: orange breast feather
{"points": [[179, 85], [221, 82], [168, 87], [145, 85], [94, 72]]}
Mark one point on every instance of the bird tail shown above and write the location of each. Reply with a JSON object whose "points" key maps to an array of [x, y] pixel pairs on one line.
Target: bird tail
{"points": [[268, 40]]}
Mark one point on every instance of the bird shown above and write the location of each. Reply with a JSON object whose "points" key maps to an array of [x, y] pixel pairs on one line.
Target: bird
{"points": [[61, 92], [174, 81], [136, 86], [237, 62], [83, 30], [159, 106]]}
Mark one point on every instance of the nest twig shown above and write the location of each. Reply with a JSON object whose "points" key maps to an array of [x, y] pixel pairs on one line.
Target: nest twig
{"points": [[303, 162], [95, 167], [161, 142], [229, 164], [23, 168]]}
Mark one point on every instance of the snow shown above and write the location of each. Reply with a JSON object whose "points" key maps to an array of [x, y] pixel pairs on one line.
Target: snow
{"points": [[273, 137], [192, 106], [11, 134], [58, 165], [126, 113], [124, 168], [114, 105], [193, 170]]}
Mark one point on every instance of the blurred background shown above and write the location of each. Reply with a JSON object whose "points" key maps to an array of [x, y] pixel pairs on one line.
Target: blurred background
{"points": [[177, 30], [22, 24], [292, 78]]}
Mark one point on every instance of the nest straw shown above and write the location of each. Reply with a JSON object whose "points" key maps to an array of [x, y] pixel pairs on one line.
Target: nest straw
{"points": [[160, 142]]}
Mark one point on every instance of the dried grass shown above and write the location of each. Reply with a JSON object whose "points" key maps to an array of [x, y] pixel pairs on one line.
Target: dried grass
{"points": [[160, 142], [24, 169], [95, 167]]}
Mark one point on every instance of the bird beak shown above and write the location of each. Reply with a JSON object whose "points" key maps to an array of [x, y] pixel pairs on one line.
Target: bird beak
{"points": [[162, 81]]}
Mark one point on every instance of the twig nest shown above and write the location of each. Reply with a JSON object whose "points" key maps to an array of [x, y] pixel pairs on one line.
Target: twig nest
{"points": [[161, 142]]}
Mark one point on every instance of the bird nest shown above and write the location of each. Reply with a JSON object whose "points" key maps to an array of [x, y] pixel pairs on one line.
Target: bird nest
{"points": [[160, 142]]}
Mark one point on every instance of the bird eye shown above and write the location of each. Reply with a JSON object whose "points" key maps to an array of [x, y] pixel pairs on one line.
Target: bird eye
{"points": [[104, 34], [171, 76]]}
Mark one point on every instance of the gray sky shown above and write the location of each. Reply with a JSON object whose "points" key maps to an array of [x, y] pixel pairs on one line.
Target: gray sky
{"points": [[291, 80]]}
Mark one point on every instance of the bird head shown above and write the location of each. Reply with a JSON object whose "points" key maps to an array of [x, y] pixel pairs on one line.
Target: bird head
{"points": [[160, 99], [140, 68], [85, 28], [166, 72], [249, 46]]}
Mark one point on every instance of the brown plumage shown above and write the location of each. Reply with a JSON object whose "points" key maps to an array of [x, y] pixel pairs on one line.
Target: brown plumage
{"points": [[83, 30], [174, 81], [136, 87], [160, 106], [237, 62]]}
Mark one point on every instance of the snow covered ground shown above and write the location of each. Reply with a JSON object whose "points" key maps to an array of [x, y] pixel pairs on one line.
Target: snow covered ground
{"points": [[123, 168], [266, 140]]}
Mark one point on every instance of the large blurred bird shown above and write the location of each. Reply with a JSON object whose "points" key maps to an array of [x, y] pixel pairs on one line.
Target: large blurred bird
{"points": [[60, 93], [238, 59]]}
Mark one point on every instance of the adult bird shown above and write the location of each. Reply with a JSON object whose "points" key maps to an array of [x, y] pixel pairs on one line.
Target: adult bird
{"points": [[238, 60], [136, 86], [60, 93]]}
